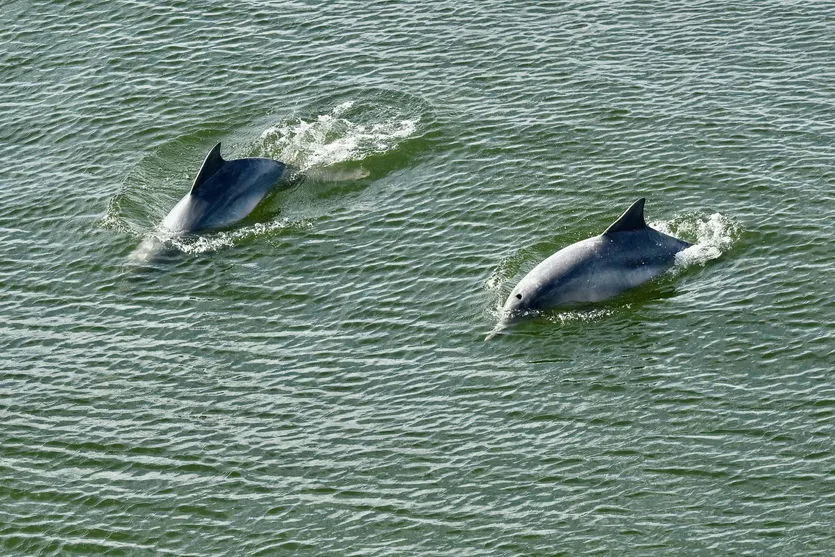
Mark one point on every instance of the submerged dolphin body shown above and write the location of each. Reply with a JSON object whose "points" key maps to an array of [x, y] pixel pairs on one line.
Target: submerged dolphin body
{"points": [[629, 253], [223, 193]]}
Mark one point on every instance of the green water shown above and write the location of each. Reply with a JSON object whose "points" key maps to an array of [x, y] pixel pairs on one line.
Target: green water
{"points": [[315, 380]]}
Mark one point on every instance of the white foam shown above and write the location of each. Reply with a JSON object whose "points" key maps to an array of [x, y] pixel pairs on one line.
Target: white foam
{"points": [[714, 236], [333, 138], [208, 243], [160, 240]]}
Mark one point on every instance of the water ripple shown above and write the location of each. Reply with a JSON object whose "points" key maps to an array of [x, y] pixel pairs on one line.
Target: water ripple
{"points": [[314, 380]]}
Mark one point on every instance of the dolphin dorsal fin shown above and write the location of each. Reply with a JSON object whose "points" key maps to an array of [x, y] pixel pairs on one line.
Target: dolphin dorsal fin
{"points": [[210, 166], [631, 219]]}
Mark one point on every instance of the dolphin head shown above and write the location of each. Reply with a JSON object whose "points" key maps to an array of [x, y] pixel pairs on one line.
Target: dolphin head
{"points": [[551, 283], [515, 308], [518, 303], [521, 302]]}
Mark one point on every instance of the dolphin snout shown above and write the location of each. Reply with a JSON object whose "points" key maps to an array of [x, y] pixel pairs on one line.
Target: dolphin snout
{"points": [[507, 319]]}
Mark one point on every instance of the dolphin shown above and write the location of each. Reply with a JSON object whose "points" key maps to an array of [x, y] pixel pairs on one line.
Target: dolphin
{"points": [[627, 254], [223, 193]]}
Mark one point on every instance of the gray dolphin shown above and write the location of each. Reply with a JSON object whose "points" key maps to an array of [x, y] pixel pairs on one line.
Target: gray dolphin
{"points": [[629, 253], [223, 193]]}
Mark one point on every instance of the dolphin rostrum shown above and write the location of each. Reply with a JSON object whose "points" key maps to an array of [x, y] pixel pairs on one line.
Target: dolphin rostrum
{"points": [[629, 253], [223, 193]]}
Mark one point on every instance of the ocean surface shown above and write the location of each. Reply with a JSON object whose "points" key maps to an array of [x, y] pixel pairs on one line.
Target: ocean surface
{"points": [[315, 380]]}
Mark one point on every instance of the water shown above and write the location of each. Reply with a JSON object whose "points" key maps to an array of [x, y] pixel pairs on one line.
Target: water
{"points": [[315, 380]]}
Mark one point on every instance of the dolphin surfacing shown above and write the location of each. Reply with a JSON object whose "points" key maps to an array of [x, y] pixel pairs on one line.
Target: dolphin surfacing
{"points": [[627, 254], [223, 193]]}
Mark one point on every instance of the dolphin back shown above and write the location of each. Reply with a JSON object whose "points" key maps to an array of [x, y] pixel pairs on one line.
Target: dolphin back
{"points": [[632, 239], [224, 192], [218, 177]]}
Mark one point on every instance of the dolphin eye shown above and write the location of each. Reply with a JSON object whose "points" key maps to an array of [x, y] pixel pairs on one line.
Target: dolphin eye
{"points": [[518, 296]]}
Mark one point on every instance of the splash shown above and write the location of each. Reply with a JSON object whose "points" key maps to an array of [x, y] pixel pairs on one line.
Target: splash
{"points": [[158, 243], [714, 236], [582, 315], [208, 243], [321, 147], [333, 138]]}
